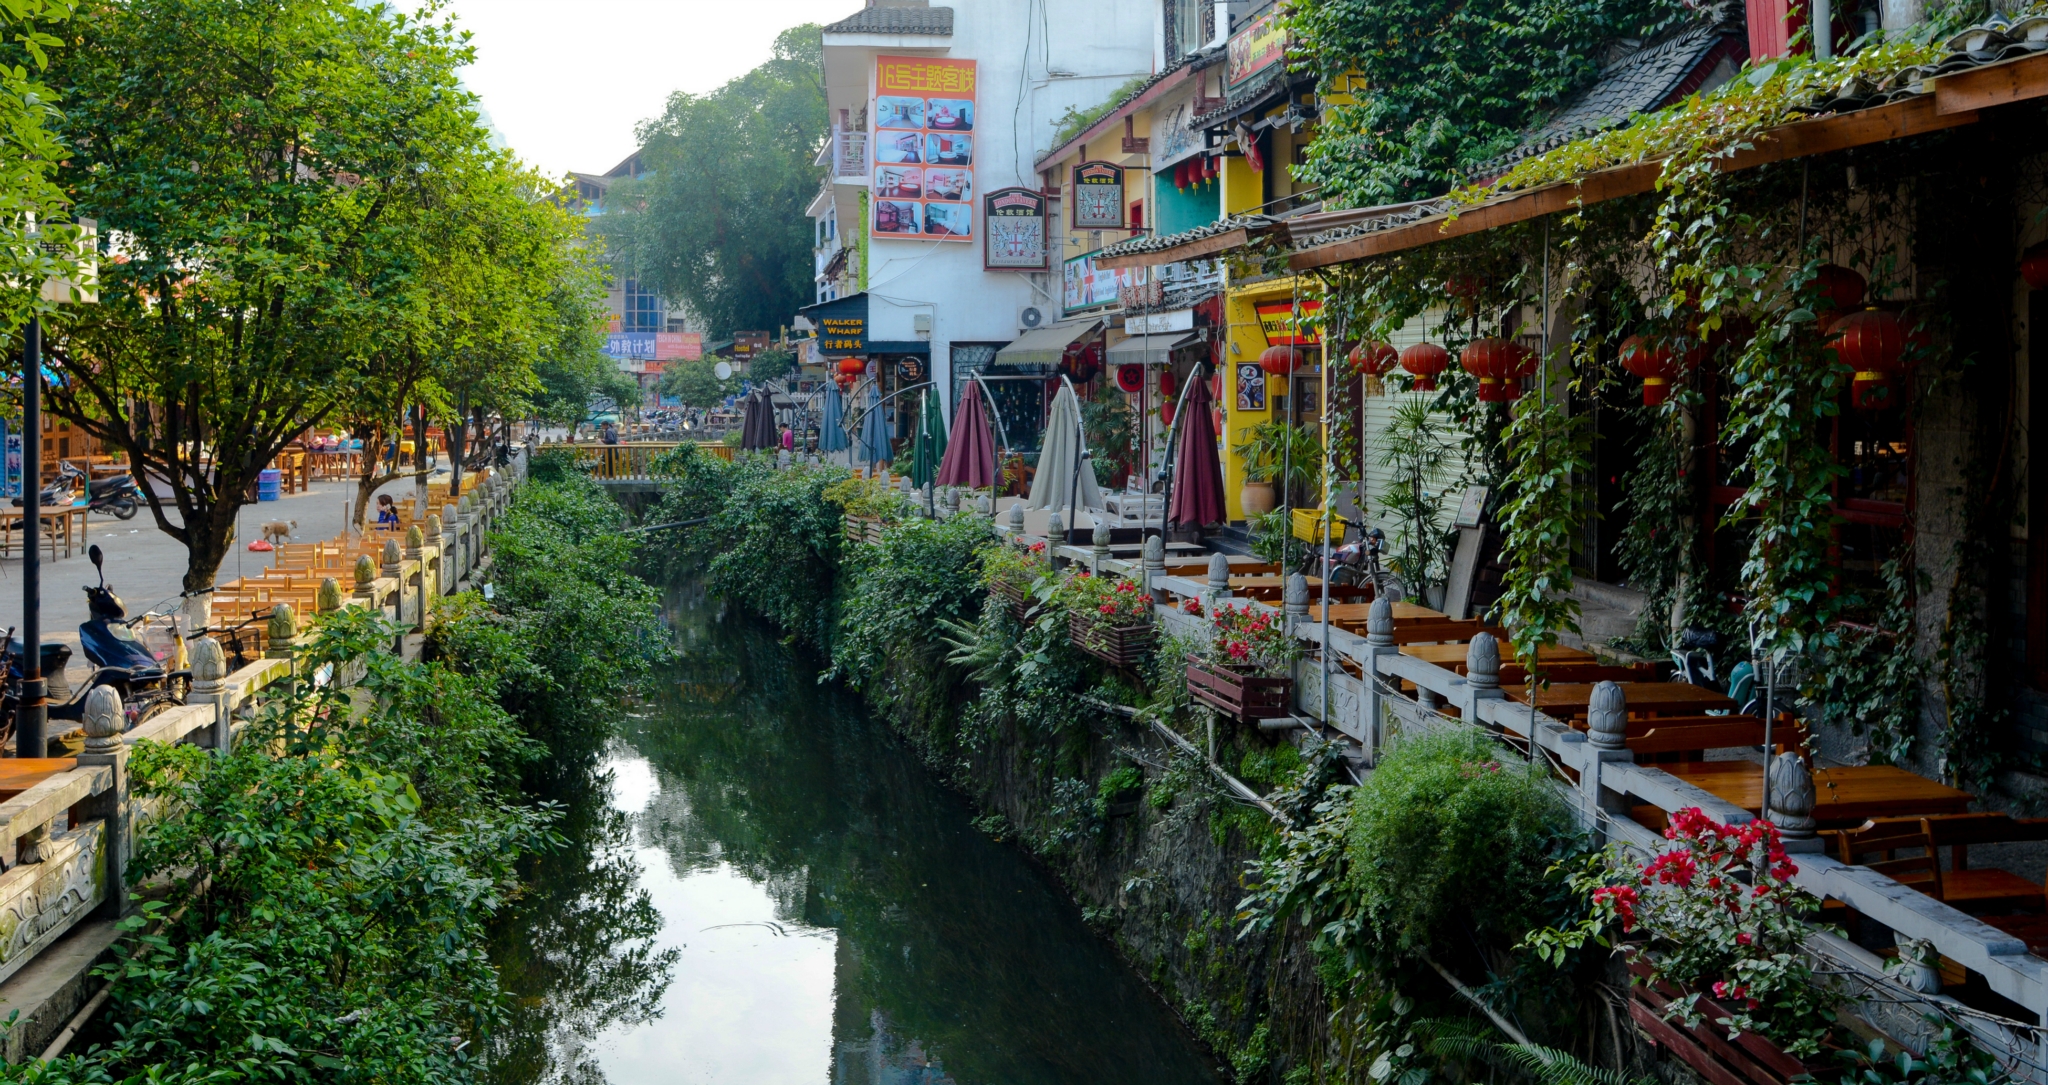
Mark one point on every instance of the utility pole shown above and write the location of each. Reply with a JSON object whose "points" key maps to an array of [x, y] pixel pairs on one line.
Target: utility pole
{"points": [[33, 712]]}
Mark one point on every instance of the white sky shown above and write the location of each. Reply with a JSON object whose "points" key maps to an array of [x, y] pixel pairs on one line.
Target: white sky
{"points": [[567, 83]]}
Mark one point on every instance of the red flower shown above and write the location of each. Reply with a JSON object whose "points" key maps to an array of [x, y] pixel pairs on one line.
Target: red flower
{"points": [[1145, 599], [1107, 608], [1239, 650], [1744, 938], [1038, 548]]}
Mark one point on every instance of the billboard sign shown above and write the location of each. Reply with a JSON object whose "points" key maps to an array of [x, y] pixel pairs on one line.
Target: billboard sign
{"points": [[1085, 286], [1276, 320], [923, 149], [1261, 44], [1098, 196], [1014, 239], [678, 346]]}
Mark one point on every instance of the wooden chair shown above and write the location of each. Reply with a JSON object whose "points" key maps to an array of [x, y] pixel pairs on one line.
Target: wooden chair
{"points": [[1985, 887], [1884, 841]]}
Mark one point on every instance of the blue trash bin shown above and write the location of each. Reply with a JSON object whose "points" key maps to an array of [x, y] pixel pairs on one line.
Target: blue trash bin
{"points": [[267, 484]]}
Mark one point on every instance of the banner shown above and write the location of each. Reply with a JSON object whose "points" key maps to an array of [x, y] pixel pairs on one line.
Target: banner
{"points": [[1015, 238], [683, 346], [1255, 48], [923, 149], [1085, 286], [1098, 196], [1276, 320]]}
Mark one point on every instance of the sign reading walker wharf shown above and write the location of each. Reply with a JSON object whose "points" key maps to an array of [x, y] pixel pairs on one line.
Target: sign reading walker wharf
{"points": [[1258, 46], [1013, 238], [1098, 196], [842, 336]]}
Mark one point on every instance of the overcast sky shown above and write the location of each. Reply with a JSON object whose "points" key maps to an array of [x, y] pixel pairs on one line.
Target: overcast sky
{"points": [[566, 83]]}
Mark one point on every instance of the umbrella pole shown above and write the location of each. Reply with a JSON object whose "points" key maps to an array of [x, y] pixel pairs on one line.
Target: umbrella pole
{"points": [[1173, 449]]}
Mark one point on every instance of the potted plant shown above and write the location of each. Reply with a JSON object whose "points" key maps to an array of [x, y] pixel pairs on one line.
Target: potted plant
{"points": [[1109, 618], [1269, 450], [1243, 671], [1011, 573], [1713, 933], [868, 508]]}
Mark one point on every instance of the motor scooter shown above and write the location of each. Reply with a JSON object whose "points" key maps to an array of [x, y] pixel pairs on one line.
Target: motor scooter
{"points": [[116, 494], [146, 684]]}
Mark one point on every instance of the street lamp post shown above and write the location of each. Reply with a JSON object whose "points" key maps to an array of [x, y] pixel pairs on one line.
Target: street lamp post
{"points": [[30, 723]]}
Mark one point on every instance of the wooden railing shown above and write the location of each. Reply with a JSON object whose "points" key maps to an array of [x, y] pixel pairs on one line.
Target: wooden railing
{"points": [[633, 461]]}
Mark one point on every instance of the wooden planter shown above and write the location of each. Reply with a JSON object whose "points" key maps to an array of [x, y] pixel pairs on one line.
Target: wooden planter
{"points": [[1747, 1060], [1243, 697], [1116, 645], [867, 529], [1017, 599]]}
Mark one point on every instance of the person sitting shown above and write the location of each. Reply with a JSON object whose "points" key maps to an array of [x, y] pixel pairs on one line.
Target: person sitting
{"points": [[387, 513]]}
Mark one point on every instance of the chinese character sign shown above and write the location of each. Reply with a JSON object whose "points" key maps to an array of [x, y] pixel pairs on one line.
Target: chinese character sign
{"points": [[1098, 196], [684, 346], [1015, 222], [923, 149]]}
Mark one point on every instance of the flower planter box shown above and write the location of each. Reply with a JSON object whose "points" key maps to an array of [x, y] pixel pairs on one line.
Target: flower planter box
{"points": [[1749, 1059], [1016, 599], [1116, 645], [867, 529], [1243, 697]]}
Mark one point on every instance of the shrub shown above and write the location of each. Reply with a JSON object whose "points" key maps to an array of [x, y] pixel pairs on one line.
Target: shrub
{"points": [[894, 596]]}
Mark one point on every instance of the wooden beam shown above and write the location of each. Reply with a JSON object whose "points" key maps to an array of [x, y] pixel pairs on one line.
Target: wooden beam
{"points": [[1229, 239], [1820, 135], [1992, 84]]}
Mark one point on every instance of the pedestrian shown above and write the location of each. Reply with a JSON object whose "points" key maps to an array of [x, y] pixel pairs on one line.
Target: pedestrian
{"points": [[387, 513], [611, 433], [788, 439]]}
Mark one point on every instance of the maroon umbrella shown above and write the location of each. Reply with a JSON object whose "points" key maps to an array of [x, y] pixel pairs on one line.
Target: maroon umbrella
{"points": [[1197, 473], [970, 449]]}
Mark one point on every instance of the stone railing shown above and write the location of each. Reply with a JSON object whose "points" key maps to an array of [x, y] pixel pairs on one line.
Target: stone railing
{"points": [[1368, 709], [66, 839]]}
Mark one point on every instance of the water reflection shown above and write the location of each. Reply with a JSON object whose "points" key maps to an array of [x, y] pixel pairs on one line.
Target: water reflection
{"points": [[833, 914]]}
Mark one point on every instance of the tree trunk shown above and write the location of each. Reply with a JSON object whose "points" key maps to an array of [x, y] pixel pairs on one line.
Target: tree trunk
{"points": [[419, 461], [458, 440], [370, 478]]}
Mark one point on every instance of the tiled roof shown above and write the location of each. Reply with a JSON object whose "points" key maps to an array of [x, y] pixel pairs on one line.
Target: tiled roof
{"points": [[1196, 60], [1260, 88], [1637, 83], [937, 22], [1150, 243]]}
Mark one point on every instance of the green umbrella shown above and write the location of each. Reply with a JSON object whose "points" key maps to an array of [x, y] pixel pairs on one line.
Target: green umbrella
{"points": [[929, 446]]}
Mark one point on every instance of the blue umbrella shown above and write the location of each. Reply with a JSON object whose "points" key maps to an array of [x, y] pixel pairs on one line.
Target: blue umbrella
{"points": [[832, 428], [874, 430]]}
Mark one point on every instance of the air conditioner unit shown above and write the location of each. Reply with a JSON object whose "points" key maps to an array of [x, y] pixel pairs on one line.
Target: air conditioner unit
{"points": [[1031, 316]]}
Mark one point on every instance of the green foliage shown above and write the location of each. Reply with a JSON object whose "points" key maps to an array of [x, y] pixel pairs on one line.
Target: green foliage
{"points": [[1660, 495], [29, 121], [1952, 1058], [1868, 677], [1273, 539], [1445, 86], [895, 594], [718, 221], [1550, 452], [772, 364], [1274, 448], [696, 383], [1073, 122], [1414, 446]]}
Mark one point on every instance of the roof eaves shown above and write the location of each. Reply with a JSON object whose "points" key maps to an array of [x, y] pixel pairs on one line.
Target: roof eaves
{"points": [[1152, 90]]}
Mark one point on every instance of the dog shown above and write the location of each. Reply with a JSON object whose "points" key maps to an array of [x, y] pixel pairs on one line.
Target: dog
{"points": [[279, 532]]}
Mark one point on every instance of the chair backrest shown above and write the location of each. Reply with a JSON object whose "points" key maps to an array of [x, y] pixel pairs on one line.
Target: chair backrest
{"points": [[1663, 738], [1876, 844], [1949, 830]]}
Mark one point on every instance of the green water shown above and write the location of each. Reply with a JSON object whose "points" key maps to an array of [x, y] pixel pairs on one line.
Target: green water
{"points": [[765, 886]]}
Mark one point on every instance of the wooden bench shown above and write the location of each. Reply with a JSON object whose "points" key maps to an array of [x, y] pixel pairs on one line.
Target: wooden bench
{"points": [[1960, 885]]}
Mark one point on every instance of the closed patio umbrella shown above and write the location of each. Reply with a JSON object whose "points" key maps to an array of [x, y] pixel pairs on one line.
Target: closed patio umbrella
{"points": [[1197, 472], [874, 430], [929, 448], [971, 451], [1064, 478], [757, 432], [832, 422]]}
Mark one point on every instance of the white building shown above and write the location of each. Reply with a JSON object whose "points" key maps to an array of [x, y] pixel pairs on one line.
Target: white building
{"points": [[978, 89]]}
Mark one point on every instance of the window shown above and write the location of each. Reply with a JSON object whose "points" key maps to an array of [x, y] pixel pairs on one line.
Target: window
{"points": [[1184, 29], [643, 310]]}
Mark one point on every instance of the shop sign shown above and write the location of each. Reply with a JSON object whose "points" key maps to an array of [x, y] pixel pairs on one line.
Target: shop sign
{"points": [[1085, 286], [923, 149], [748, 344], [1098, 196], [678, 346], [910, 371], [1276, 320], [1179, 320], [631, 346], [1015, 235], [1175, 131], [1251, 387], [842, 336], [1258, 46]]}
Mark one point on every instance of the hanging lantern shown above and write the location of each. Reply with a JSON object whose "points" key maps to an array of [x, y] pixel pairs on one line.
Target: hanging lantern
{"points": [[1464, 287], [1736, 330], [1872, 343], [1166, 382], [1841, 291], [1521, 365], [1424, 361], [2034, 266], [1488, 359], [1280, 361], [1652, 362], [852, 367], [1081, 366], [1374, 359], [1130, 378]]}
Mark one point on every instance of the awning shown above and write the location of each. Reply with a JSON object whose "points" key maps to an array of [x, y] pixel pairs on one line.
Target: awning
{"points": [[1151, 349], [1044, 346]]}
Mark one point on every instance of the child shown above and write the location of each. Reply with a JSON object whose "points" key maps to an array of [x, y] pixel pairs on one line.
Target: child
{"points": [[387, 513]]}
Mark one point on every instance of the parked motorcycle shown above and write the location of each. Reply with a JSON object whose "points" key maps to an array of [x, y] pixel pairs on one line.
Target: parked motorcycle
{"points": [[117, 494], [147, 684]]}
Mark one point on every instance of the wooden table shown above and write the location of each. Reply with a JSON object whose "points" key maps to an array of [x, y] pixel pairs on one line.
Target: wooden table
{"points": [[1341, 613], [1453, 655], [18, 774], [1846, 796], [1568, 699], [66, 523]]}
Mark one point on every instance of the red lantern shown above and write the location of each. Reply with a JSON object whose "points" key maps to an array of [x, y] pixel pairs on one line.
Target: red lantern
{"points": [[1280, 361], [1464, 287], [1489, 360], [1081, 366], [1424, 361], [1650, 360], [1374, 359], [1130, 378], [1873, 344], [1521, 364], [1736, 330], [1166, 385], [2034, 266], [853, 367], [1841, 290]]}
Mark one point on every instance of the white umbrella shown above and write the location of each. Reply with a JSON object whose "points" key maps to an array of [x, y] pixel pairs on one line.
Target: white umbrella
{"points": [[1064, 478]]}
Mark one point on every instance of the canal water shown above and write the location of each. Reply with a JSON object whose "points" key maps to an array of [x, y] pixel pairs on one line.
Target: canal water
{"points": [[764, 886]]}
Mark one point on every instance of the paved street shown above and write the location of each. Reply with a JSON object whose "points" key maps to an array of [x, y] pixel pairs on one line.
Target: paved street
{"points": [[145, 566]]}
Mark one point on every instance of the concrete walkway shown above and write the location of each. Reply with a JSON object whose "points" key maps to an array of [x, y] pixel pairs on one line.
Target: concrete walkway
{"points": [[145, 567]]}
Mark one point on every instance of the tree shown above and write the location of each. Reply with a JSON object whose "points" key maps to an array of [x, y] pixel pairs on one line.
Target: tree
{"points": [[255, 159], [29, 153], [719, 223], [696, 384]]}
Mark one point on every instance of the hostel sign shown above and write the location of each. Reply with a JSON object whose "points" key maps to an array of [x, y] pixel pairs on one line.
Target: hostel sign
{"points": [[923, 150]]}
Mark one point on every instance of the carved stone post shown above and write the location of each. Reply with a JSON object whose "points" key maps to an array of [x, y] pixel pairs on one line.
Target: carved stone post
{"points": [[1100, 552], [1792, 802], [394, 561], [209, 671], [415, 540], [1379, 644], [1294, 600], [1482, 674], [104, 721], [1607, 740], [366, 575], [329, 597], [1055, 531], [1154, 562], [1015, 518], [982, 504], [281, 635], [451, 544]]}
